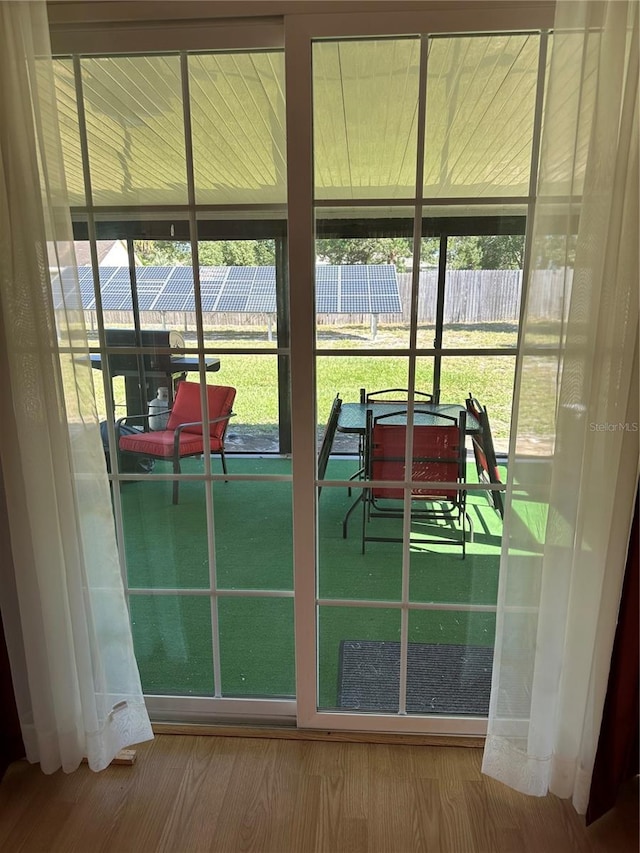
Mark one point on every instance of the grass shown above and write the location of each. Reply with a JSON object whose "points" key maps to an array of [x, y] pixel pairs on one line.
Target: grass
{"points": [[490, 378]]}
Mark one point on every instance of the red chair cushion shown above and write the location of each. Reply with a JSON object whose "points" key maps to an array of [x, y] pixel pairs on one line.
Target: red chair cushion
{"points": [[187, 408], [161, 444], [440, 445]]}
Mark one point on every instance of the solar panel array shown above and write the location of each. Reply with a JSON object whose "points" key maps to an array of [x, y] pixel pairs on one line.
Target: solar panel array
{"points": [[343, 289]]}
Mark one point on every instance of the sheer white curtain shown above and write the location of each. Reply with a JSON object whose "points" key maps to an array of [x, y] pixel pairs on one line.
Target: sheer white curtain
{"points": [[574, 456], [76, 680]]}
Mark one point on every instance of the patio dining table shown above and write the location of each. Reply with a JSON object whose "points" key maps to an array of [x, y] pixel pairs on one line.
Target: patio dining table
{"points": [[353, 416]]}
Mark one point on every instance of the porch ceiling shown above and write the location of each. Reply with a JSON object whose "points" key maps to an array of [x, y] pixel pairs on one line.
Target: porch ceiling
{"points": [[478, 139]]}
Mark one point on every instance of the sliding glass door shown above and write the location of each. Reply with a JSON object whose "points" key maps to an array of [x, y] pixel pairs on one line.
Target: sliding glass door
{"points": [[415, 158], [177, 172], [340, 212]]}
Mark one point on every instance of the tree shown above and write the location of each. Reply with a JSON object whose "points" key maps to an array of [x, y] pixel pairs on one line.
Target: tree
{"points": [[501, 251], [504, 251], [464, 253], [368, 250], [264, 252], [211, 253], [238, 253], [162, 253], [489, 252], [555, 251]]}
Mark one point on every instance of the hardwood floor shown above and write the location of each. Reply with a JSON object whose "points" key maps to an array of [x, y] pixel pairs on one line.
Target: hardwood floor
{"points": [[189, 793]]}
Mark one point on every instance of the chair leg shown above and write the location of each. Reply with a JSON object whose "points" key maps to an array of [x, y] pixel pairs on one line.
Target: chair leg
{"points": [[470, 523], [224, 463], [365, 503], [464, 518], [176, 483]]}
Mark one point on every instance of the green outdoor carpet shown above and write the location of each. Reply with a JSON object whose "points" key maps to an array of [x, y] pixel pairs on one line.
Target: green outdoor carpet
{"points": [[167, 547]]}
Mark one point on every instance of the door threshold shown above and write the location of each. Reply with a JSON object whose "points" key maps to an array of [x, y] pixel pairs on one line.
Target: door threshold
{"points": [[338, 736]]}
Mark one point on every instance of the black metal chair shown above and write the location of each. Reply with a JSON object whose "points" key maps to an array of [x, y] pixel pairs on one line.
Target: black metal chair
{"points": [[327, 438], [484, 452]]}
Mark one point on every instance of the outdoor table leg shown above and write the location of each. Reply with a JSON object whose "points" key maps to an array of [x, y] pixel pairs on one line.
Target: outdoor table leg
{"points": [[345, 521], [358, 474]]}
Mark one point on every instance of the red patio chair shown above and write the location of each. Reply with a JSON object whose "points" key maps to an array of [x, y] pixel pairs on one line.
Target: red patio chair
{"points": [[183, 434], [438, 456]]}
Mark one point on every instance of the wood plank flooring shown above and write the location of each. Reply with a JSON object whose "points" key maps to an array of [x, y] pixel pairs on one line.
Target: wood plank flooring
{"points": [[193, 793]]}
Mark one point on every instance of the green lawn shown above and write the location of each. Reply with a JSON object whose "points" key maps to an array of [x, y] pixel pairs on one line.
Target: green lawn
{"points": [[489, 378]]}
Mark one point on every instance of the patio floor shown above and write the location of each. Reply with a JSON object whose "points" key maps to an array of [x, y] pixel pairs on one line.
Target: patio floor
{"points": [[167, 549]]}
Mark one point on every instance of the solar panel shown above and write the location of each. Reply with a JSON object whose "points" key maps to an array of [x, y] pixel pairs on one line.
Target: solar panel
{"points": [[146, 300], [208, 302], [345, 288], [326, 298], [181, 274], [105, 274], [326, 273], [183, 287], [262, 297], [87, 293], [353, 273], [239, 274], [65, 287], [85, 274], [233, 297], [383, 290], [112, 287], [209, 292], [144, 274], [355, 303], [357, 289], [116, 300], [120, 279], [170, 302], [217, 274]]}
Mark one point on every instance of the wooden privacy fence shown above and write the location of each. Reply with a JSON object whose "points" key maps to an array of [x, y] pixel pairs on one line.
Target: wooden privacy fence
{"points": [[471, 296]]}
